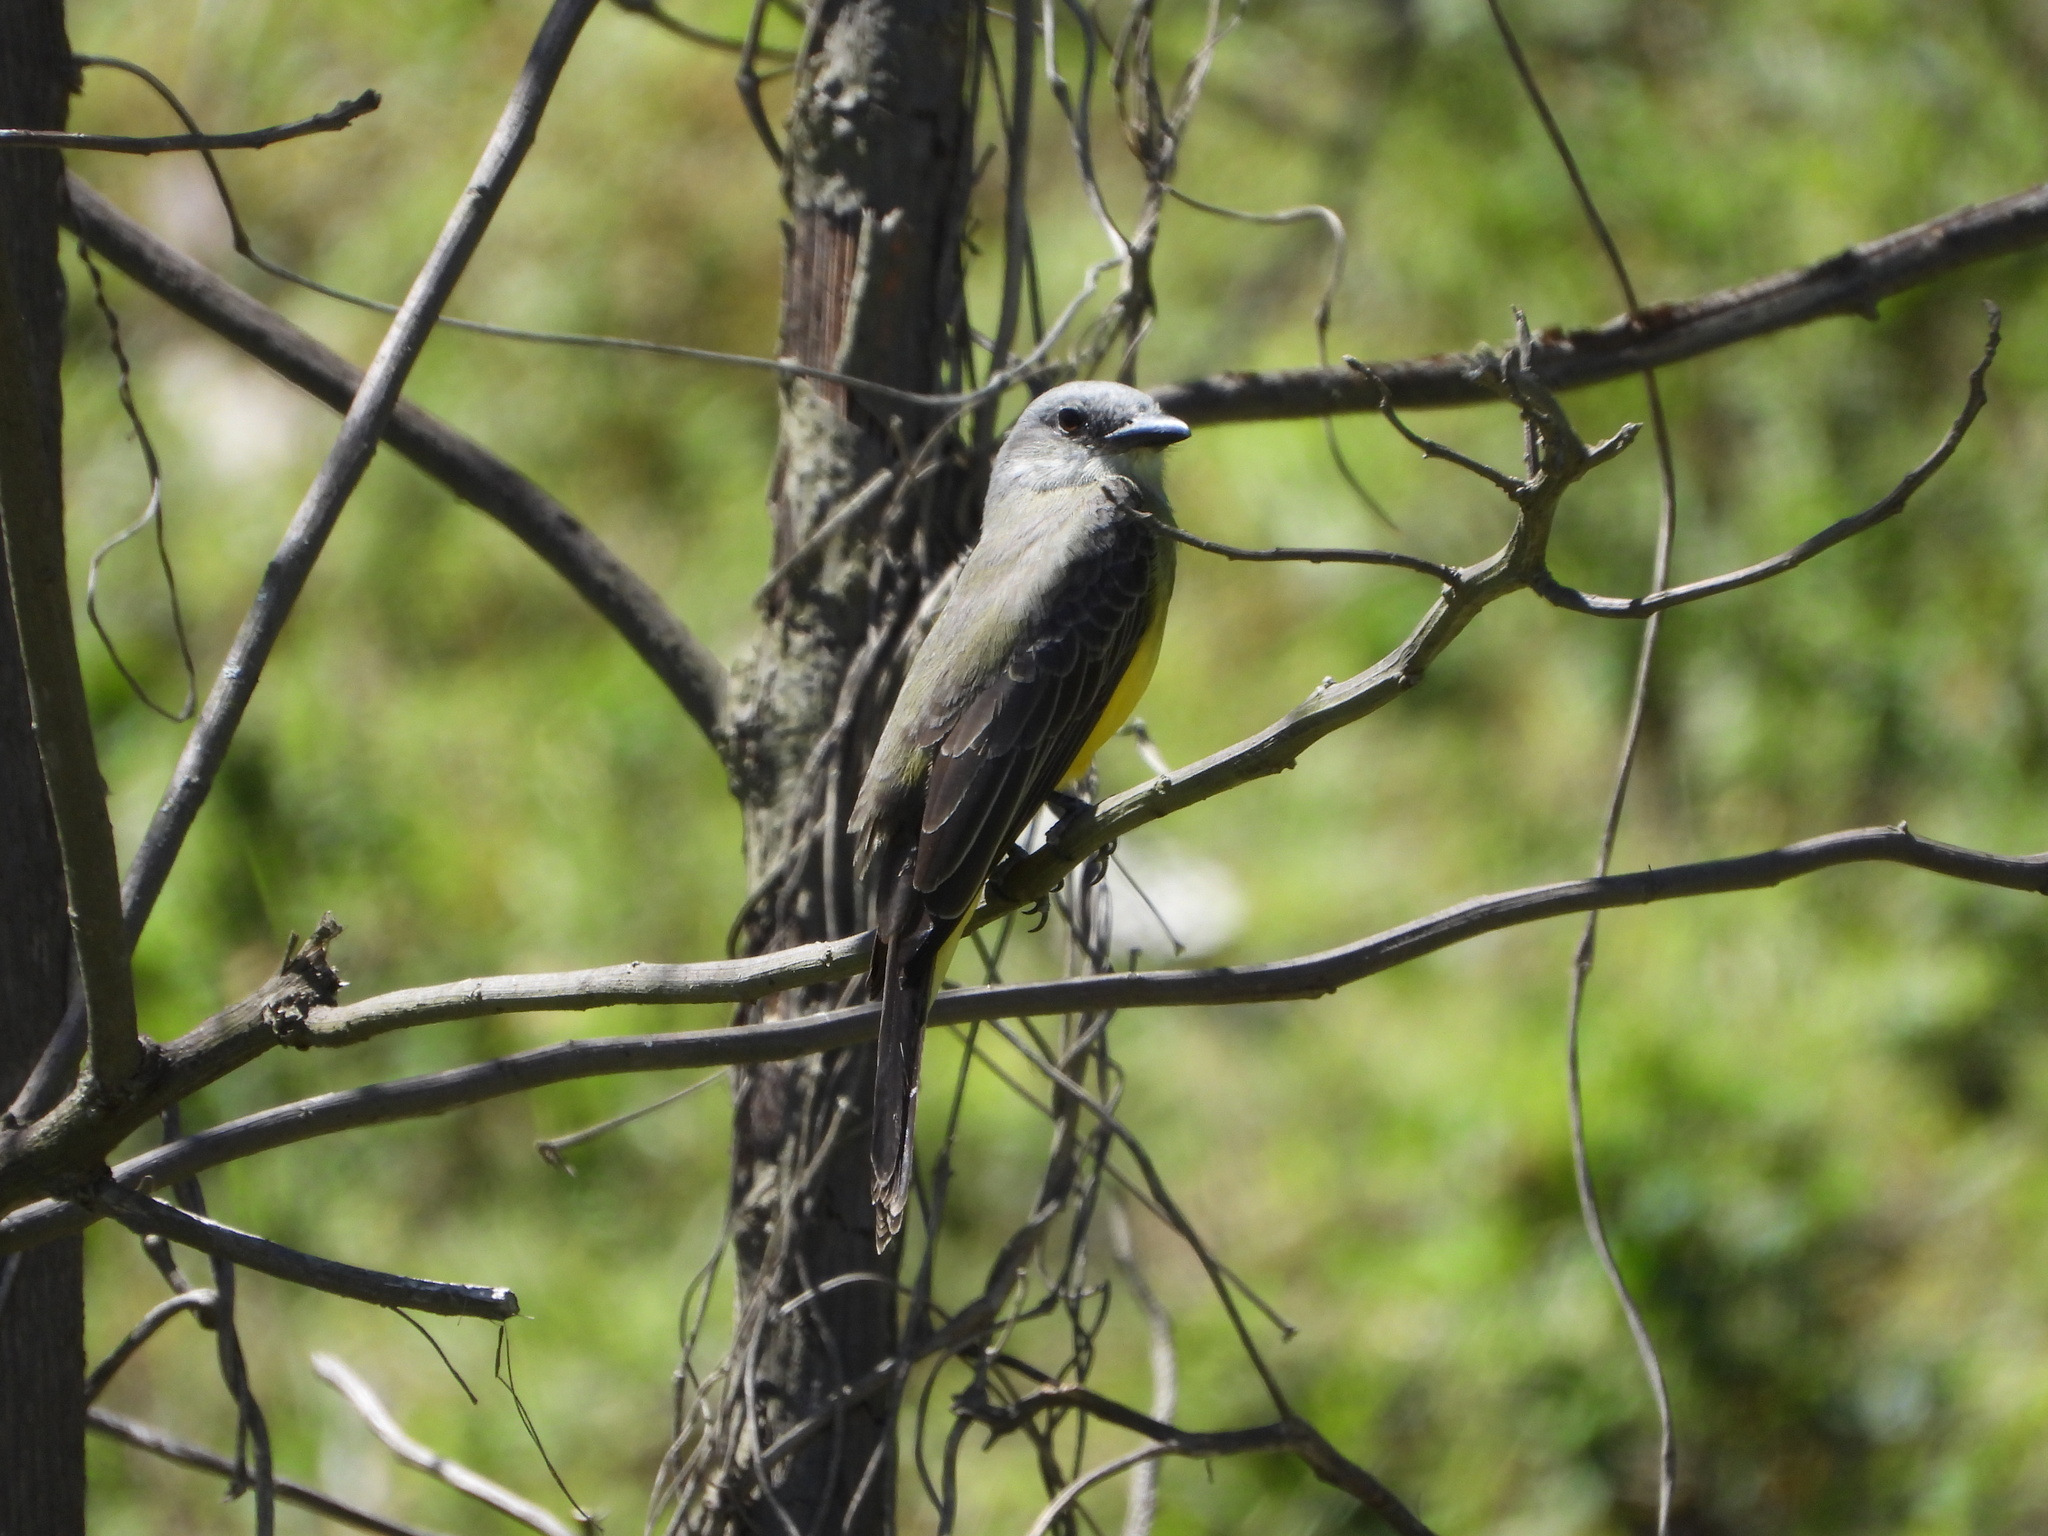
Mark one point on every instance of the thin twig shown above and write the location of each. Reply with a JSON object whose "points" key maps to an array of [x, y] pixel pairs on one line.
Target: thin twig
{"points": [[552, 1148], [1632, 734], [333, 119], [199, 1300], [147, 1437], [748, 81], [694, 34], [1444, 573], [370, 1408], [1334, 226], [255, 1467], [152, 517], [1143, 1502]]}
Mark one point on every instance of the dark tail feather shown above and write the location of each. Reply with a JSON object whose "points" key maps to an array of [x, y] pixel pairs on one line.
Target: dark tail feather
{"points": [[907, 983]]}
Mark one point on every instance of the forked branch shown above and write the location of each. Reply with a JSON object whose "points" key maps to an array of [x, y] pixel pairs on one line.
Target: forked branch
{"points": [[1891, 504]]}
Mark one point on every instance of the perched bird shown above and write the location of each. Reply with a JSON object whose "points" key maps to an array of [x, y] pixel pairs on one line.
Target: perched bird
{"points": [[1038, 657]]}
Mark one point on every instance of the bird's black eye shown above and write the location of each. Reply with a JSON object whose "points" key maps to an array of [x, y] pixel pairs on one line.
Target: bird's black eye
{"points": [[1071, 421]]}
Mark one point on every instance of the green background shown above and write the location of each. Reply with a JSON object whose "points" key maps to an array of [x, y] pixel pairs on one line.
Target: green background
{"points": [[1817, 1113]]}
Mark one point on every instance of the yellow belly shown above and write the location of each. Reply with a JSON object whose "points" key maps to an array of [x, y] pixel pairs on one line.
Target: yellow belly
{"points": [[1129, 689]]}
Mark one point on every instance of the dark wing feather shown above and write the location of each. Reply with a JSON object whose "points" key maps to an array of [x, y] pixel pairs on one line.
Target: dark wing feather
{"points": [[1011, 743]]}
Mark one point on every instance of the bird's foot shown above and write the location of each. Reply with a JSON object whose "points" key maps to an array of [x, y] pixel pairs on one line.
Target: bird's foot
{"points": [[1065, 807]]}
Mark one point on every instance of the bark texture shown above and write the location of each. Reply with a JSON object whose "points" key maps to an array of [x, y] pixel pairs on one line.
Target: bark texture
{"points": [[42, 1361], [875, 175]]}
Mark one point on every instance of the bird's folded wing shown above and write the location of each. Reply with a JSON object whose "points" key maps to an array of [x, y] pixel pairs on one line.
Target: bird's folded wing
{"points": [[1006, 749]]}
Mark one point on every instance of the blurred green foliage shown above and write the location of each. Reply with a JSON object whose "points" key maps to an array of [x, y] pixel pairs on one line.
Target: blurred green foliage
{"points": [[1819, 1115]]}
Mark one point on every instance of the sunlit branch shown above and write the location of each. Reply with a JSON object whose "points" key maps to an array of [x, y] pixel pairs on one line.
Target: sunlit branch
{"points": [[464, 1480], [1851, 283], [1308, 976]]}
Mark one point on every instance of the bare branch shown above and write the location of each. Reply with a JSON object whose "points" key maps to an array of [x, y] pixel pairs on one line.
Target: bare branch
{"points": [[147, 1437], [1305, 977], [32, 525], [370, 1407], [689, 669], [1850, 283], [1443, 573], [332, 120], [1835, 533], [361, 429], [139, 1213]]}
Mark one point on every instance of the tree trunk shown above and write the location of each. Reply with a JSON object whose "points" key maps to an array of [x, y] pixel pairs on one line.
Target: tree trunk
{"points": [[42, 1313], [875, 174]]}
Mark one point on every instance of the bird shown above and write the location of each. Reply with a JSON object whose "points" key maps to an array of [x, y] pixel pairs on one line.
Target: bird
{"points": [[1038, 656]]}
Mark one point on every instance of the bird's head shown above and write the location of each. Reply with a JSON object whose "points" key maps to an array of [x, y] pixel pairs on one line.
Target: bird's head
{"points": [[1084, 431]]}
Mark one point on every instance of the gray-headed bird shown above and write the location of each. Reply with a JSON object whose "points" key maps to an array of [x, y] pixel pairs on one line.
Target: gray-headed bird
{"points": [[1038, 657]]}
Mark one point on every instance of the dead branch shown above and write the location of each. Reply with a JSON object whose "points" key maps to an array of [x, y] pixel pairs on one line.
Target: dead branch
{"points": [[139, 1213], [332, 120], [1851, 283], [689, 669], [708, 981], [370, 1408], [147, 1437], [1273, 981]]}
